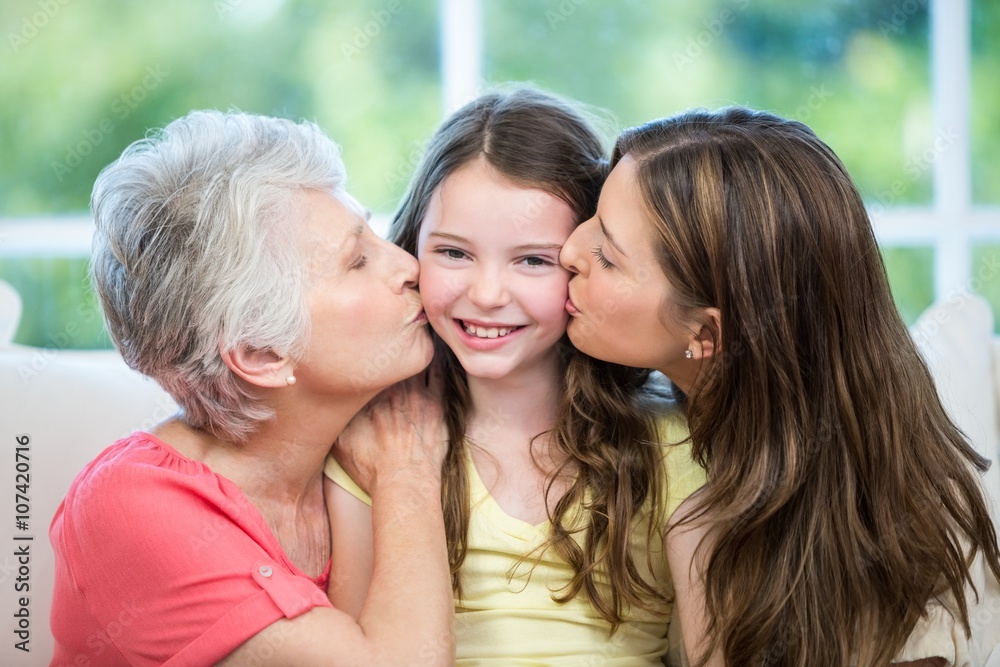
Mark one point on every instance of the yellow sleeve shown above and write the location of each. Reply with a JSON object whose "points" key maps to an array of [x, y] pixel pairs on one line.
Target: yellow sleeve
{"points": [[683, 475], [339, 476]]}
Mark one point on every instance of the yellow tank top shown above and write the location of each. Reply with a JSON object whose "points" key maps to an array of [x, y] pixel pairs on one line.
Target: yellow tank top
{"points": [[507, 616]]}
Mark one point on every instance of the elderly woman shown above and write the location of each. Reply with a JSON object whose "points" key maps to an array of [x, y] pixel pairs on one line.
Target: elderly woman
{"points": [[235, 270]]}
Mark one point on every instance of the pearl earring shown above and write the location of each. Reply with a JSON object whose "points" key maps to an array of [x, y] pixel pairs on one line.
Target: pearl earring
{"points": [[290, 380]]}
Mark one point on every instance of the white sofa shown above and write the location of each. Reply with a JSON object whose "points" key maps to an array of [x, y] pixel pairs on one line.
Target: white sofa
{"points": [[73, 404]]}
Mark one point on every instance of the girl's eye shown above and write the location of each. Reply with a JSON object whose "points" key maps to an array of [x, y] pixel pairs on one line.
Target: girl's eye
{"points": [[534, 260], [601, 259], [359, 263], [451, 253]]}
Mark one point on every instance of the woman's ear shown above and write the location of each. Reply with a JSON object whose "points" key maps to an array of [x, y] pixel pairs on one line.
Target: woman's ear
{"points": [[708, 342], [262, 368]]}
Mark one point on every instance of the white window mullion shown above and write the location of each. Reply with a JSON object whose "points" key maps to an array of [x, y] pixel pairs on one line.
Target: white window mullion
{"points": [[461, 52], [46, 236], [951, 45]]}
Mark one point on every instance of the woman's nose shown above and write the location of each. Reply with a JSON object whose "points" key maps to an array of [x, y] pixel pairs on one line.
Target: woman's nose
{"points": [[572, 256], [405, 268]]}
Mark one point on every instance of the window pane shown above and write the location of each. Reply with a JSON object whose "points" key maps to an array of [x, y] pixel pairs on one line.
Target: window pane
{"points": [[911, 275], [59, 307], [985, 278], [80, 81], [857, 72], [985, 102]]}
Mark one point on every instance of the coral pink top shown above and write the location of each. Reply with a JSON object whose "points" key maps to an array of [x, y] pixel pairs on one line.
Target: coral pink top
{"points": [[159, 560]]}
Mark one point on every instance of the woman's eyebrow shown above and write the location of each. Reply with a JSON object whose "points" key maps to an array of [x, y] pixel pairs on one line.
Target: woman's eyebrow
{"points": [[610, 238]]}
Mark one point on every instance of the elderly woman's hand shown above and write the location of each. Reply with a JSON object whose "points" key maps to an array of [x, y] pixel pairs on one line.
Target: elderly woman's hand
{"points": [[401, 430]]}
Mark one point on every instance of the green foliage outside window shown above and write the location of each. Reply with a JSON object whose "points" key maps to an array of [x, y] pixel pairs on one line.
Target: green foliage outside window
{"points": [[79, 81]]}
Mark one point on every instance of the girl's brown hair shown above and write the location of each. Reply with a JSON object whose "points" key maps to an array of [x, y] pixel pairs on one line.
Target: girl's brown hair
{"points": [[841, 497], [603, 431]]}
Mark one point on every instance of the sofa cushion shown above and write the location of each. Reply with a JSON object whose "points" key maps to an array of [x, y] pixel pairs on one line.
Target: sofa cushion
{"points": [[71, 405], [955, 337]]}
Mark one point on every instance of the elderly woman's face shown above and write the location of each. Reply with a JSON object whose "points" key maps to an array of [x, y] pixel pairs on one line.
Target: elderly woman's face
{"points": [[368, 327]]}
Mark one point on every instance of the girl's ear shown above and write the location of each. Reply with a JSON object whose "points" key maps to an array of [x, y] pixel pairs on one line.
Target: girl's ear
{"points": [[262, 368], [708, 341]]}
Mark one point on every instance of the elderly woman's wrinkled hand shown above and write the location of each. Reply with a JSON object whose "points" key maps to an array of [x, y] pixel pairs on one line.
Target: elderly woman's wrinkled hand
{"points": [[401, 430]]}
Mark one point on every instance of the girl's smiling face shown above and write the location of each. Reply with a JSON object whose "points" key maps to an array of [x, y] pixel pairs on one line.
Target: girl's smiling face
{"points": [[490, 277]]}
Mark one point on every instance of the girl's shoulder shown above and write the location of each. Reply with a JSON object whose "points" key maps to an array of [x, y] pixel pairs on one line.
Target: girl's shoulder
{"points": [[660, 399], [682, 474], [672, 428]]}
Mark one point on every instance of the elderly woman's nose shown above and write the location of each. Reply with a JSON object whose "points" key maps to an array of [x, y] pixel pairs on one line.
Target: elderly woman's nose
{"points": [[405, 269]]}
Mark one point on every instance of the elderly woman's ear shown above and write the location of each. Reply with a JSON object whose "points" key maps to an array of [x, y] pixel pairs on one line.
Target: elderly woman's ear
{"points": [[260, 367]]}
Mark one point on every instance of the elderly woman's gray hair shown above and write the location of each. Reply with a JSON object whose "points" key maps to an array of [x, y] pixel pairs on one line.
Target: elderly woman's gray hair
{"points": [[195, 253]]}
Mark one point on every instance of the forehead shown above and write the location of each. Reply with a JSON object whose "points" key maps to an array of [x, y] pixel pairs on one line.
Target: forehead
{"points": [[476, 202], [330, 225], [620, 206], [329, 215]]}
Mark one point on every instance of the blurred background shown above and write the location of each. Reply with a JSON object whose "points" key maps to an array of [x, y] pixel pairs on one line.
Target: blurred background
{"points": [[907, 92]]}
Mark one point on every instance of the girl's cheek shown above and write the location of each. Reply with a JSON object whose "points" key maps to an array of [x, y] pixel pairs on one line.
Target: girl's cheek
{"points": [[437, 292]]}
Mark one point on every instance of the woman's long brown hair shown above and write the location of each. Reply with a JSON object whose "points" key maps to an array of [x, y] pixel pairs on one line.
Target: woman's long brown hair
{"points": [[841, 497], [604, 433]]}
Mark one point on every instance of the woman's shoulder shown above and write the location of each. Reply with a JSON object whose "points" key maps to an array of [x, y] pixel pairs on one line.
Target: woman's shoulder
{"points": [[139, 454], [137, 476]]}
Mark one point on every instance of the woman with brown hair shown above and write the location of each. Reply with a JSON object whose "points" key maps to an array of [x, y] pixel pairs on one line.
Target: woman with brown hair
{"points": [[842, 522]]}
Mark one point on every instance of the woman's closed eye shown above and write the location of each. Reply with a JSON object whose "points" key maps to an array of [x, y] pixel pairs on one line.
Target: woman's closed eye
{"points": [[598, 254]]}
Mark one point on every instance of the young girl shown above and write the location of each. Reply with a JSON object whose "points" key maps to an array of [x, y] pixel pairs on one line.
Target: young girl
{"points": [[842, 523], [555, 491]]}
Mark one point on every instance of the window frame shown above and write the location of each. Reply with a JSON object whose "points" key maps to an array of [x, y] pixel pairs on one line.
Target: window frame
{"points": [[950, 225]]}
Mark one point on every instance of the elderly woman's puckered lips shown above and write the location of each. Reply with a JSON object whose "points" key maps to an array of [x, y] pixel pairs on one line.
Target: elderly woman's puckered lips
{"points": [[367, 320]]}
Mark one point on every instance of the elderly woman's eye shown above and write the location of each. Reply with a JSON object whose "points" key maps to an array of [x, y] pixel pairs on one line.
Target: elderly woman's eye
{"points": [[359, 263]]}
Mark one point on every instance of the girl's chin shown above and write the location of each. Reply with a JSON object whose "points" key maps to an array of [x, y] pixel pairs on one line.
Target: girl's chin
{"points": [[476, 371]]}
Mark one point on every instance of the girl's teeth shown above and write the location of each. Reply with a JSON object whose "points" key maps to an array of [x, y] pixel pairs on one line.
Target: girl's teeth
{"points": [[483, 332]]}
